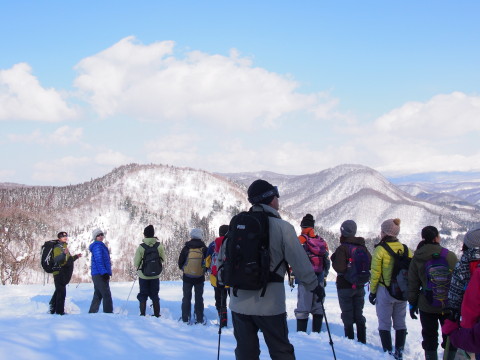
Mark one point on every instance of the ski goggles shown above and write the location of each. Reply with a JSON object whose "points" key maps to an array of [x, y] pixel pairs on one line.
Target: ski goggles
{"points": [[259, 198]]}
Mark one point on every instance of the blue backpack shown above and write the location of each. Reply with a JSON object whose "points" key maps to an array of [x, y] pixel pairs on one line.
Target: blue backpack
{"points": [[438, 275], [358, 266]]}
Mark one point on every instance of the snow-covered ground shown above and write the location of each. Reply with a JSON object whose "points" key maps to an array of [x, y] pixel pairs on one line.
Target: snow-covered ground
{"points": [[27, 331]]}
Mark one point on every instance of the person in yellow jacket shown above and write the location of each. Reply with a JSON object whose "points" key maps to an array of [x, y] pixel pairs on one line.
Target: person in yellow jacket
{"points": [[388, 308], [61, 278]]}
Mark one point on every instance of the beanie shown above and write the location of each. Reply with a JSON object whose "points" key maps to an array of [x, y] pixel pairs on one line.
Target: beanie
{"points": [[391, 227], [196, 234], [149, 231], [307, 221], [95, 233], [472, 239], [62, 234], [261, 192], [222, 231], [348, 228]]}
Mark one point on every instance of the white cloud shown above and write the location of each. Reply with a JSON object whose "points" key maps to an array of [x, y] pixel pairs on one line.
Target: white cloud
{"points": [[177, 149], [64, 136], [445, 116], [23, 98], [60, 171], [112, 158], [5, 175], [149, 82]]}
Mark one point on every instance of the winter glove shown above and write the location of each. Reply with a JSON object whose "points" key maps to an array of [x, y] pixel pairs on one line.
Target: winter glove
{"points": [[453, 314], [372, 298], [413, 310], [324, 282], [320, 292], [106, 277], [449, 326]]}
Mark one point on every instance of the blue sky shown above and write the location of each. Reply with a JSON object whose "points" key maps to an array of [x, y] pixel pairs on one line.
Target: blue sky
{"points": [[290, 87]]}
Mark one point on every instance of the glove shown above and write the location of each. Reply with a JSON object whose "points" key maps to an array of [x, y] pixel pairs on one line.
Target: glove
{"points": [[413, 310], [453, 314], [106, 277], [449, 326], [320, 292], [372, 298], [325, 282]]}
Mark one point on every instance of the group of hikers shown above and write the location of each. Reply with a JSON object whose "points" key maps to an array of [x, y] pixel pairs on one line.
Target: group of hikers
{"points": [[248, 261]]}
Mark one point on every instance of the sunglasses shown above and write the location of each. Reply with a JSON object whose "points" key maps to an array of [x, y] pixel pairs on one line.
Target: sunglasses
{"points": [[101, 234]]}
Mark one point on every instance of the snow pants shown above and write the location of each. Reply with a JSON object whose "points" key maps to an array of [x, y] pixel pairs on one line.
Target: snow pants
{"points": [[187, 301], [148, 289], [275, 333], [220, 297], [307, 303], [351, 303], [102, 292], [430, 331], [57, 302], [390, 309]]}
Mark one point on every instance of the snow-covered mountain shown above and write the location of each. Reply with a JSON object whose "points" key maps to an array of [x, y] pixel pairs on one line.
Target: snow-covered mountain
{"points": [[364, 195], [176, 199]]}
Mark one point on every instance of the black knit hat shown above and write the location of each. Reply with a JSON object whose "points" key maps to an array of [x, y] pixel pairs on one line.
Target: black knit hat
{"points": [[307, 221], [223, 230], [149, 231], [261, 192]]}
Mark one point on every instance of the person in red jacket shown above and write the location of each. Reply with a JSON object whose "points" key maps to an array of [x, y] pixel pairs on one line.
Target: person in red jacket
{"points": [[467, 337]]}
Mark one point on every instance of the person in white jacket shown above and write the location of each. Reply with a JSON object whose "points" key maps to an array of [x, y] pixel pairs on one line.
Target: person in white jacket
{"points": [[251, 311]]}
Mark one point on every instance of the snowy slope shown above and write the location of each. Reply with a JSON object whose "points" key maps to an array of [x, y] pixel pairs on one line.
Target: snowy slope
{"points": [[27, 332]]}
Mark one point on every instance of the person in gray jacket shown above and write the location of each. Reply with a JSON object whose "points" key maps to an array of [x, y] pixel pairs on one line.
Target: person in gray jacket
{"points": [[252, 312]]}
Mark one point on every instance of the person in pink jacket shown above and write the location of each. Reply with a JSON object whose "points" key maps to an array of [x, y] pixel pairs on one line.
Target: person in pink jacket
{"points": [[467, 336]]}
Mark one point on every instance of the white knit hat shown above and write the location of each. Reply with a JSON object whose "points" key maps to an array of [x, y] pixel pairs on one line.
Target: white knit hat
{"points": [[196, 234]]}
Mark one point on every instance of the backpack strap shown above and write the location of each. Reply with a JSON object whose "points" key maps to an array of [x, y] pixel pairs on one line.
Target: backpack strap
{"points": [[394, 255]]}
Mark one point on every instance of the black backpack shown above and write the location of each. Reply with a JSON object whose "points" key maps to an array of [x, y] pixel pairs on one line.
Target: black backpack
{"points": [[46, 256], [247, 257], [398, 287], [151, 262]]}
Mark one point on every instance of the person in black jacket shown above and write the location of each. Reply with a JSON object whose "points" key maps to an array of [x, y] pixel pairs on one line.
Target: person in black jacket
{"points": [[192, 262], [350, 297]]}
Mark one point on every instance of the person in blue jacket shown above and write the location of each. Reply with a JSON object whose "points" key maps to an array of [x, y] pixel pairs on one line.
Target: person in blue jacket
{"points": [[101, 270]]}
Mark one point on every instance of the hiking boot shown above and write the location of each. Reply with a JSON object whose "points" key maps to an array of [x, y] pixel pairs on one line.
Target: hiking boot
{"points": [[400, 336], [431, 355], [361, 333], [386, 339], [302, 325], [349, 333], [156, 309], [317, 323], [143, 308]]}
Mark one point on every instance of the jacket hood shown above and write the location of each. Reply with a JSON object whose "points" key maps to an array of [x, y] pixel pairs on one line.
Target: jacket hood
{"points": [[425, 252], [150, 241], [195, 243], [352, 240]]}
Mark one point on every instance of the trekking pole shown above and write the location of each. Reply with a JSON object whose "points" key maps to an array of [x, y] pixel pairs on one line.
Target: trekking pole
{"points": [[219, 325], [328, 329], [447, 348], [128, 297]]}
